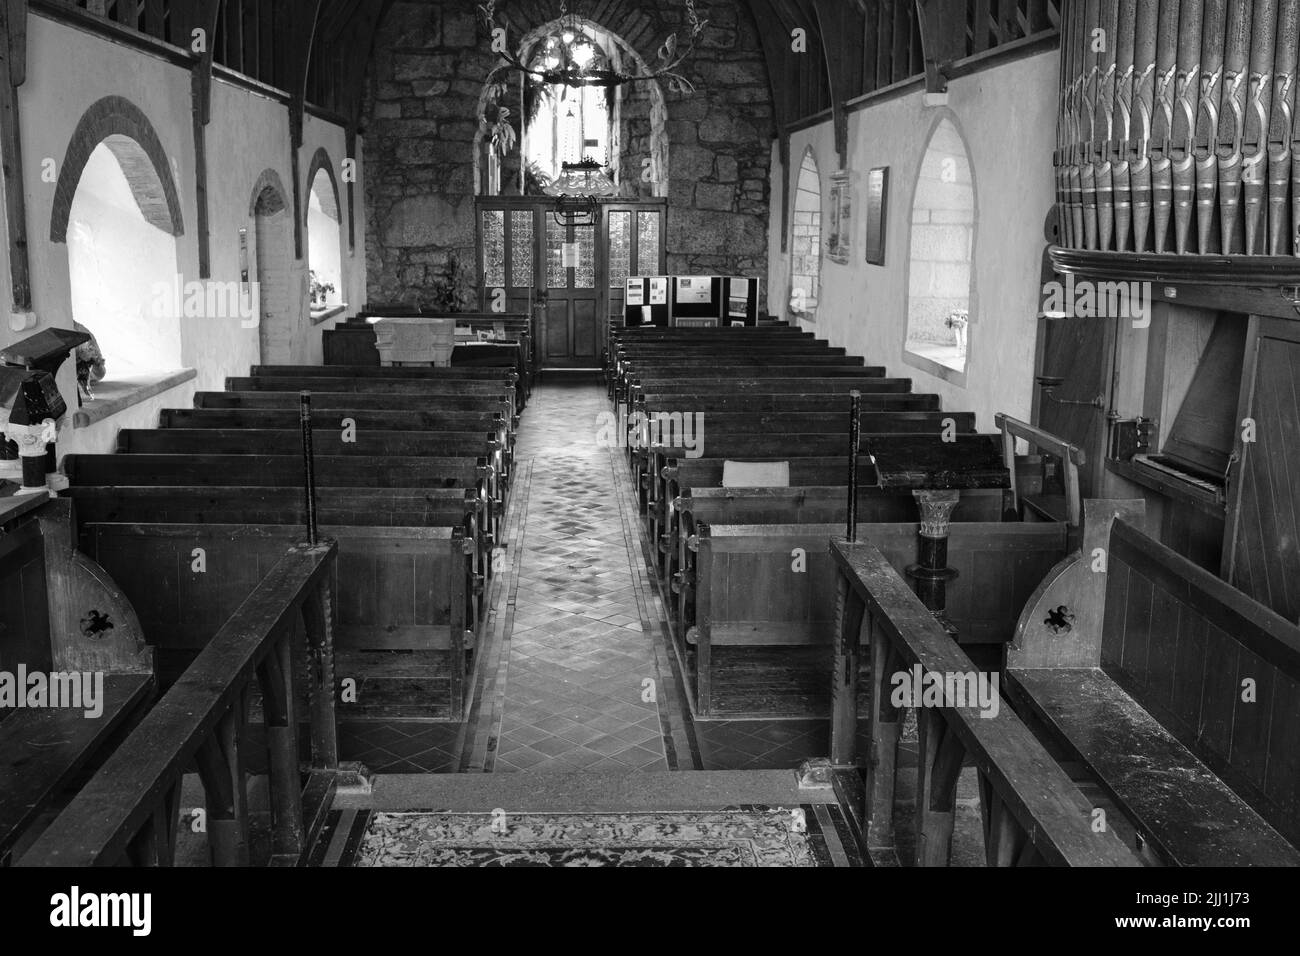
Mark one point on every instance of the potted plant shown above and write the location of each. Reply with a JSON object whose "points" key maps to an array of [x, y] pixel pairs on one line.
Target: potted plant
{"points": [[320, 291]]}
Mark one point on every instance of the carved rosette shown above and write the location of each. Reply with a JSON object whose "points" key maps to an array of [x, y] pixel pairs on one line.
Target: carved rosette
{"points": [[936, 511]]}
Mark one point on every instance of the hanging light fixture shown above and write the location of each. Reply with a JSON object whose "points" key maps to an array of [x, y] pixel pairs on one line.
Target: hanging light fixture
{"points": [[570, 57], [578, 190]]}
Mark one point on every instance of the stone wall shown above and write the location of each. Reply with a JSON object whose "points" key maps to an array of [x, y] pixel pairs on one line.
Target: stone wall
{"points": [[426, 80]]}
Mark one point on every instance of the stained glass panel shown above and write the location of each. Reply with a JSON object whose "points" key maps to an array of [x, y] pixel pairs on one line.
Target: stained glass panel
{"points": [[620, 248], [557, 276], [521, 248], [647, 243], [494, 247], [584, 275]]}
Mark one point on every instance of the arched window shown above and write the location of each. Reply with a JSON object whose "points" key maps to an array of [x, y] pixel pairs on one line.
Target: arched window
{"points": [[806, 240], [528, 128], [122, 263], [939, 314], [324, 238]]}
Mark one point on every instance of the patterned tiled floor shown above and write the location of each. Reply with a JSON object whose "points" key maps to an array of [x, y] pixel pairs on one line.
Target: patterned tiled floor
{"points": [[575, 634], [579, 661]]}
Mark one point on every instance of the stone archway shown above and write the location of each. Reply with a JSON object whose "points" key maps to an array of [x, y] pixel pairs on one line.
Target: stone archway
{"points": [[121, 126], [271, 212], [652, 113]]}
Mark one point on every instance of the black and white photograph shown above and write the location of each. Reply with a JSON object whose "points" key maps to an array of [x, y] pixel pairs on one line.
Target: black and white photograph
{"points": [[648, 434]]}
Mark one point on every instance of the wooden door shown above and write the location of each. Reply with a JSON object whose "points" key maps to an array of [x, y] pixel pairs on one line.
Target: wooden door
{"points": [[522, 262], [573, 333], [508, 255], [276, 325], [1261, 551], [634, 246]]}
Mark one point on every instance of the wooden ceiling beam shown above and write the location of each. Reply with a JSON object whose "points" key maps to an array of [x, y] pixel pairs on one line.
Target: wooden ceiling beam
{"points": [[943, 39], [841, 27]]}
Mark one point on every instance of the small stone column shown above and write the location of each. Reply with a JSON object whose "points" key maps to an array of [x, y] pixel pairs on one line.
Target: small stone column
{"points": [[931, 574], [34, 442]]}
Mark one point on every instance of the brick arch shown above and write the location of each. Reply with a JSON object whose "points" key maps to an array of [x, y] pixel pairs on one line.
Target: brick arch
{"points": [[329, 201], [120, 125], [268, 183]]}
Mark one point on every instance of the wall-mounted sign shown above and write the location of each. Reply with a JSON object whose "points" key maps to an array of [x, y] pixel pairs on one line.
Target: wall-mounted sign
{"points": [[569, 255], [877, 204]]}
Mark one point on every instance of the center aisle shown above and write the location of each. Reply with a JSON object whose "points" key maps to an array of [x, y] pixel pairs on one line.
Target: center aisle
{"points": [[577, 683]]}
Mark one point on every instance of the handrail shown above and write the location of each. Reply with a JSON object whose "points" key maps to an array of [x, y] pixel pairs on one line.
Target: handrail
{"points": [[129, 809], [1072, 459], [1033, 812]]}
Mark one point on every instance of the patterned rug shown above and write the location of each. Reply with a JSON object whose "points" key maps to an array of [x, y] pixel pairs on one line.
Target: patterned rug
{"points": [[752, 836]]}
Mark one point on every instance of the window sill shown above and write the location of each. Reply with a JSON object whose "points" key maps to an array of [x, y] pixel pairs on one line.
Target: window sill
{"points": [[934, 367], [114, 396], [324, 315]]}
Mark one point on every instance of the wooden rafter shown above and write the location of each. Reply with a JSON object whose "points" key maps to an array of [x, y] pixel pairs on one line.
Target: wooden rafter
{"points": [[13, 60], [206, 16], [840, 26], [943, 39]]}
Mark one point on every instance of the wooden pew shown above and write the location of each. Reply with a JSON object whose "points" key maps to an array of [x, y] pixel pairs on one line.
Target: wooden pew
{"points": [[361, 421], [333, 402], [373, 445], [60, 614], [769, 585], [1135, 667], [432, 391], [474, 377], [722, 436], [795, 505], [408, 589], [827, 379], [1032, 812], [129, 812], [277, 471]]}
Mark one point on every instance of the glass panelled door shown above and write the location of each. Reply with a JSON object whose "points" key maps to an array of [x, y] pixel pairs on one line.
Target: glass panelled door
{"points": [[508, 257], [579, 272], [634, 240], [574, 337]]}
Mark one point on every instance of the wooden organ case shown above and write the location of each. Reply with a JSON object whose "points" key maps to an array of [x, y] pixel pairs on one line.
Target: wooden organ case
{"points": [[1178, 197]]}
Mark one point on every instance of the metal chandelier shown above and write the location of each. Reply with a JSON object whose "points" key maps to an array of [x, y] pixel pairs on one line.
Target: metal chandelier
{"points": [[571, 58]]}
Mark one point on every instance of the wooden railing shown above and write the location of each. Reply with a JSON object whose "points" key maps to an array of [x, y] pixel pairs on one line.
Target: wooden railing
{"points": [[129, 811], [1071, 456], [1032, 812]]}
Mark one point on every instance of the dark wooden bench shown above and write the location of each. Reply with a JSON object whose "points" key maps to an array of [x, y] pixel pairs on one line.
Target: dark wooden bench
{"points": [[331, 402], [374, 445], [129, 812], [664, 482], [60, 614], [1137, 672], [794, 505], [1033, 814], [410, 589], [745, 590]]}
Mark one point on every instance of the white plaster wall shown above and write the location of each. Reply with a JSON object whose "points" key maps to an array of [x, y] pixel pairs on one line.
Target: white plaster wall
{"points": [[249, 133], [119, 263], [1007, 116]]}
